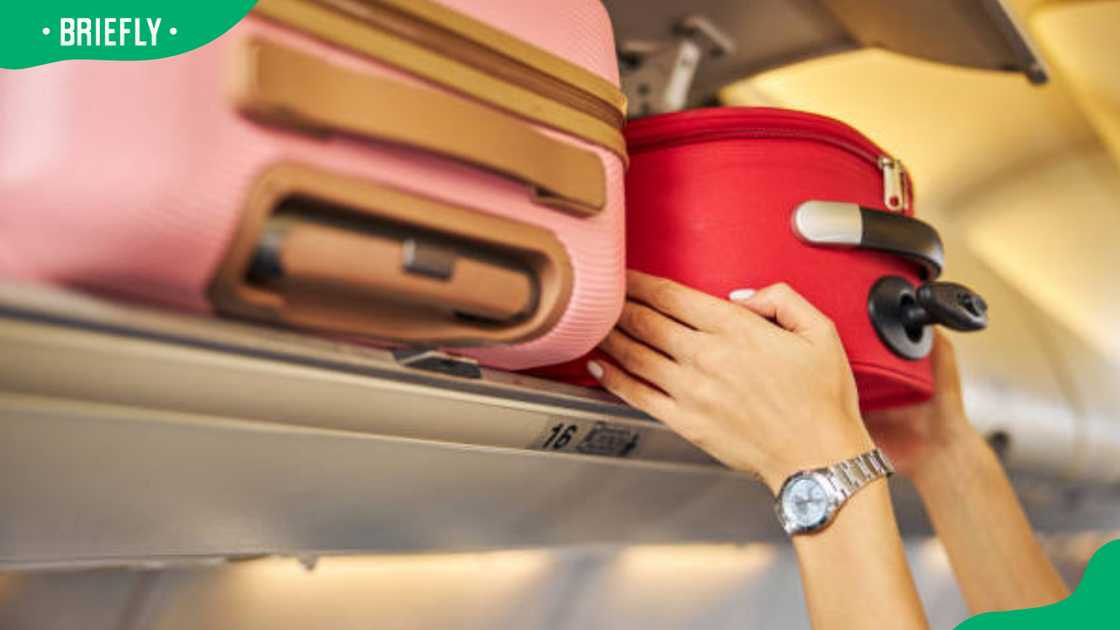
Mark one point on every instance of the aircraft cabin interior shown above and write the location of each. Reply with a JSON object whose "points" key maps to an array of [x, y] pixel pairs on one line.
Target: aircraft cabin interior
{"points": [[165, 466]]}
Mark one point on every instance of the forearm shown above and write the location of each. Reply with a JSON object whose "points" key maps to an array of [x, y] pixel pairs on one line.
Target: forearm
{"points": [[855, 573], [976, 514]]}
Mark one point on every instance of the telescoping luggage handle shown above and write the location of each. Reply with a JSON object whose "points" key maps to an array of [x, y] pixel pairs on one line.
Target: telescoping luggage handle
{"points": [[341, 254], [279, 85], [900, 313]]}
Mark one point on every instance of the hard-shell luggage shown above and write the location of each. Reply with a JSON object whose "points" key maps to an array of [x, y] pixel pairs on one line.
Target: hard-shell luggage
{"points": [[419, 173], [729, 198]]}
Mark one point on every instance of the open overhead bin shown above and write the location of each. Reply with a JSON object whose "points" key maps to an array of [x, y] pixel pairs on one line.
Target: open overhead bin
{"points": [[134, 437], [137, 434]]}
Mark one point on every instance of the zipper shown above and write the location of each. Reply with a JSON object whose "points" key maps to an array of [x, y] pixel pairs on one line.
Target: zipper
{"points": [[896, 179], [407, 22], [895, 194]]}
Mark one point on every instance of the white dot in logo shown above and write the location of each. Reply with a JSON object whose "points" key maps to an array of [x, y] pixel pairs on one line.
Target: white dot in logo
{"points": [[174, 31], [46, 30]]}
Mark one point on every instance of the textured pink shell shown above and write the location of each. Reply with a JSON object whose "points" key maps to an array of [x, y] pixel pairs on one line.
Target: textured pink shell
{"points": [[127, 178]]}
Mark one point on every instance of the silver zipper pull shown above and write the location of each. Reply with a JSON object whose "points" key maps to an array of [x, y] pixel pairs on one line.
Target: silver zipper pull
{"points": [[894, 184]]}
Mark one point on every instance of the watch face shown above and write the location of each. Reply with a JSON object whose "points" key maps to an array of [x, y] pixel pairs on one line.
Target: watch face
{"points": [[805, 502]]}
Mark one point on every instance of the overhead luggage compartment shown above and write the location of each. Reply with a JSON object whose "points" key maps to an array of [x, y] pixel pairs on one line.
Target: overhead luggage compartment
{"points": [[133, 436], [131, 433]]}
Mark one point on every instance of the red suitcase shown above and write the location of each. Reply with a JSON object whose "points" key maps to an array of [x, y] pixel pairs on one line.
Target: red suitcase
{"points": [[729, 198]]}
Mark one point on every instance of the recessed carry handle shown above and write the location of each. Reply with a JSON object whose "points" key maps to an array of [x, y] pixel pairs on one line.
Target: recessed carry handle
{"points": [[329, 252], [299, 256], [280, 85], [843, 224]]}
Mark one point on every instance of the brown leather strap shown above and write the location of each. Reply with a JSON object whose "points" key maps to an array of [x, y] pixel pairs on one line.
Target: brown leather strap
{"points": [[467, 29], [281, 85], [362, 265], [504, 88]]}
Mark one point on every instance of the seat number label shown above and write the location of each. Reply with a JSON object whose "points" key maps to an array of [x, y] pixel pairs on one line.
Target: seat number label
{"points": [[588, 438]]}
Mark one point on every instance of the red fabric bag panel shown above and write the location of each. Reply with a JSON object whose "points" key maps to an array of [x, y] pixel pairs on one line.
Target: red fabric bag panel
{"points": [[710, 195]]}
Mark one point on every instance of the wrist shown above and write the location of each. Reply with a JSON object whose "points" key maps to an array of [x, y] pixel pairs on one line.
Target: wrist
{"points": [[951, 459], [834, 440]]}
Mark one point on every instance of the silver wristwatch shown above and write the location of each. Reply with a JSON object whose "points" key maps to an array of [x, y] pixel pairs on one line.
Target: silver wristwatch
{"points": [[810, 499]]}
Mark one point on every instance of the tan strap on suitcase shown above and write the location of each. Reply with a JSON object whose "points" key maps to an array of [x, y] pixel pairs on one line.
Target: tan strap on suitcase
{"points": [[281, 85], [487, 39], [464, 55]]}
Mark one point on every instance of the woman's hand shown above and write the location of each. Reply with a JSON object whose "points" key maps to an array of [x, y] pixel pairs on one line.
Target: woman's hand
{"points": [[762, 384], [915, 436]]}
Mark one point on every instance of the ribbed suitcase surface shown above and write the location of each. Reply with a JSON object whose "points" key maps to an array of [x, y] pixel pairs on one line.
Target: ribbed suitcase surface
{"points": [[133, 179]]}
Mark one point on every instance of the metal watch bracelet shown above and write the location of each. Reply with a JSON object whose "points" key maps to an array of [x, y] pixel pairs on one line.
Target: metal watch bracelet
{"points": [[855, 473]]}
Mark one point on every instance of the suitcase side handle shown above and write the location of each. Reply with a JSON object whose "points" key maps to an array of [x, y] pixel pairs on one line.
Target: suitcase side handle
{"points": [[843, 224], [277, 85], [297, 255], [329, 252]]}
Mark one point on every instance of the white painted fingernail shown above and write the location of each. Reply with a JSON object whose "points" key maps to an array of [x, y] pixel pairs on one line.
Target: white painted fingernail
{"points": [[595, 369], [739, 295]]}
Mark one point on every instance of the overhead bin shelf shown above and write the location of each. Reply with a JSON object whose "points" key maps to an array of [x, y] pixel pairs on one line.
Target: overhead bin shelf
{"points": [[68, 346], [90, 483], [132, 435]]}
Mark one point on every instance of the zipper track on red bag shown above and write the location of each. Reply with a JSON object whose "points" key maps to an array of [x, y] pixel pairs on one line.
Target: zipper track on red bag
{"points": [[778, 133], [773, 134]]}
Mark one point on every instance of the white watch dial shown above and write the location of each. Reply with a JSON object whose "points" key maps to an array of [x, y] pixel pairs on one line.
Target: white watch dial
{"points": [[805, 502]]}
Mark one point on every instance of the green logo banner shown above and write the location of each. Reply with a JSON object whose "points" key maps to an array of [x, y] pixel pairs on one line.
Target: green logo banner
{"points": [[1092, 605], [35, 32]]}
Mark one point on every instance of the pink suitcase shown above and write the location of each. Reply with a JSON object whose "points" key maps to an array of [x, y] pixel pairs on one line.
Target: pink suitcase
{"points": [[411, 172]]}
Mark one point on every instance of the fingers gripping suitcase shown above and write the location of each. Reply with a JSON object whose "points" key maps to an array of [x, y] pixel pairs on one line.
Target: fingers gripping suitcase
{"points": [[407, 171], [730, 198]]}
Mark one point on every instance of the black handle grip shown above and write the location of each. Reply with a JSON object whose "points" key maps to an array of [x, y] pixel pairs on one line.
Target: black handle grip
{"points": [[843, 224], [947, 303], [904, 236]]}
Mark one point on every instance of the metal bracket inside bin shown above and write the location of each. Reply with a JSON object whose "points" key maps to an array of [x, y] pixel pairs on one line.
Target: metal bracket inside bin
{"points": [[656, 76], [436, 361]]}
